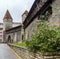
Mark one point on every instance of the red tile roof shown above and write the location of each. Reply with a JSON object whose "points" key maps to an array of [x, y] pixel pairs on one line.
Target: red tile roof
{"points": [[7, 15]]}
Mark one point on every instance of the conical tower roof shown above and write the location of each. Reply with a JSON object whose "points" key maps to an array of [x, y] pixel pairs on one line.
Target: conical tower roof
{"points": [[7, 15]]}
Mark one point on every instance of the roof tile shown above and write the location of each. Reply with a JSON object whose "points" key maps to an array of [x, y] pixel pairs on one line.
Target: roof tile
{"points": [[7, 15]]}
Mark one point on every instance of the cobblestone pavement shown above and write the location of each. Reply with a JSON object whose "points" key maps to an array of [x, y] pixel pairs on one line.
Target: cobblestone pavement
{"points": [[6, 53]]}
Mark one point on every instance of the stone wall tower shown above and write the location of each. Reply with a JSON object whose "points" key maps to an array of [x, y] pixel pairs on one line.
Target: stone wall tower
{"points": [[7, 21], [24, 15]]}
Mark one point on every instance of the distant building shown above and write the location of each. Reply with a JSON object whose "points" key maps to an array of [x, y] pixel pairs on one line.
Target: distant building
{"points": [[7, 24], [7, 21], [13, 35], [16, 33]]}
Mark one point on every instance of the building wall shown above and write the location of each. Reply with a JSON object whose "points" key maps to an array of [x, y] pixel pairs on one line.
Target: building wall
{"points": [[10, 25], [7, 35], [55, 18], [29, 31], [1, 35], [7, 24], [1, 25], [15, 24], [15, 36], [1, 32], [23, 17]]}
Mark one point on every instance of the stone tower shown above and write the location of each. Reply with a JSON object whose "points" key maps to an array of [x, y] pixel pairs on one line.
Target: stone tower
{"points": [[24, 15], [7, 21]]}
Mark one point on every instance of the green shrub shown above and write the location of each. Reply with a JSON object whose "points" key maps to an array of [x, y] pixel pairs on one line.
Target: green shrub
{"points": [[45, 39]]}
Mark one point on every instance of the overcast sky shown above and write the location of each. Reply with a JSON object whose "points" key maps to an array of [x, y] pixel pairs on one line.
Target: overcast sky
{"points": [[15, 7]]}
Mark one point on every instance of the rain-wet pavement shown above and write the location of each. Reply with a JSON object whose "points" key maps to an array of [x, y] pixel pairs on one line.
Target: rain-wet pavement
{"points": [[6, 53]]}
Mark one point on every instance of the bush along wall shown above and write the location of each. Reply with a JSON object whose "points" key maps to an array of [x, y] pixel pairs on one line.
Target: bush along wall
{"points": [[45, 43], [45, 39]]}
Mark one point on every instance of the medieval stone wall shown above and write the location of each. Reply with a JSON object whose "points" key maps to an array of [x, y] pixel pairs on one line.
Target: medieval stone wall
{"points": [[55, 18], [29, 31], [15, 36]]}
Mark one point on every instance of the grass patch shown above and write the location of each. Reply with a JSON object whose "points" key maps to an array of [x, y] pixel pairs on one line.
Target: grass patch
{"points": [[20, 44]]}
